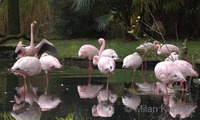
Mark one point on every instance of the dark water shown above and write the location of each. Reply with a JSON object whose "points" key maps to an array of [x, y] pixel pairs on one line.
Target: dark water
{"points": [[63, 84]]}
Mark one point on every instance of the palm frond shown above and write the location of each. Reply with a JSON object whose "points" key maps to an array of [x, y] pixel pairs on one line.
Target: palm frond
{"points": [[83, 6], [104, 20]]}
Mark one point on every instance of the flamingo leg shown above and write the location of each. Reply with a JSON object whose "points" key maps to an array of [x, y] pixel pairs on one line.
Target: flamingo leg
{"points": [[133, 79], [186, 87], [108, 80], [182, 90], [89, 71], [167, 96], [29, 80], [47, 82], [24, 87], [107, 85], [144, 67]]}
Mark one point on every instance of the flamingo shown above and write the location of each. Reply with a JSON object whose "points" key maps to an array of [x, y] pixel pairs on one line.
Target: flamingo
{"points": [[186, 69], [132, 61], [105, 60], [106, 52], [33, 50], [148, 46], [165, 49], [172, 57], [168, 72], [88, 51], [106, 65], [49, 63], [26, 66]]}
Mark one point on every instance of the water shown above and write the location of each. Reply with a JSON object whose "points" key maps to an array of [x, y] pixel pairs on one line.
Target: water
{"points": [[63, 85]]}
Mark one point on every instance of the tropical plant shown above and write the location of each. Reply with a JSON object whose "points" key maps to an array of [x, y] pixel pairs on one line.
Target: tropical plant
{"points": [[70, 116], [6, 116], [138, 16]]}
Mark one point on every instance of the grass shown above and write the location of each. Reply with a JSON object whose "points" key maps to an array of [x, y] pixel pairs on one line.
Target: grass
{"points": [[69, 48]]}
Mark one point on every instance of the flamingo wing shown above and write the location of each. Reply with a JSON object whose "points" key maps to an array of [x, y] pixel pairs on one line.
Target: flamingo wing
{"points": [[45, 45]]}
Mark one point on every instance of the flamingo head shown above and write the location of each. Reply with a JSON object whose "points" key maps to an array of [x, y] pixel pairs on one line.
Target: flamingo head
{"points": [[101, 41], [33, 23], [44, 54]]}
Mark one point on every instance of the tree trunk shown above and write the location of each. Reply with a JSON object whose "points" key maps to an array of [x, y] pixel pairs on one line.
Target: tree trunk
{"points": [[13, 17]]}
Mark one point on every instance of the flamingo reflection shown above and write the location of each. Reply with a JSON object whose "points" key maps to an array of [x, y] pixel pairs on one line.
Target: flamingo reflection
{"points": [[29, 95], [131, 101], [89, 91], [25, 111], [180, 109], [105, 106], [47, 101]]}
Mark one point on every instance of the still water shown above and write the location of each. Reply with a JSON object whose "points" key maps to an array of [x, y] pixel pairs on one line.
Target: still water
{"points": [[70, 92]]}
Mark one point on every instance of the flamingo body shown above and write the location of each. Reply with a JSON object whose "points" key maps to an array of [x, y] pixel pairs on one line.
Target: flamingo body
{"points": [[49, 62], [186, 68], [146, 47], [88, 51], [132, 61], [168, 72], [106, 52], [110, 53], [166, 49], [27, 66]]}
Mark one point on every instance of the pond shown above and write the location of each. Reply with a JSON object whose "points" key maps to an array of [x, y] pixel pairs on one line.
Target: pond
{"points": [[76, 97]]}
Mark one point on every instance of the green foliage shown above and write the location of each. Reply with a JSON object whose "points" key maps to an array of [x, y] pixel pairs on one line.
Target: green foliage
{"points": [[70, 116], [103, 21], [6, 116]]}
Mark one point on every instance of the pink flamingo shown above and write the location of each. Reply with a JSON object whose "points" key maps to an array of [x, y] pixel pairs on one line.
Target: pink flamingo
{"points": [[132, 61], [49, 63], [168, 72], [88, 51], [186, 69], [145, 47], [106, 52], [165, 49], [33, 50], [106, 65], [172, 57], [26, 66]]}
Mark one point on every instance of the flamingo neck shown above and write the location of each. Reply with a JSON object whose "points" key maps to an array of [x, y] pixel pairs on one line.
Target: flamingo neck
{"points": [[101, 42], [158, 50], [32, 36]]}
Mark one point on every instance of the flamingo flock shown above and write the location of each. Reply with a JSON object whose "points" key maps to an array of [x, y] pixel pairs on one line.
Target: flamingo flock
{"points": [[32, 59]]}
